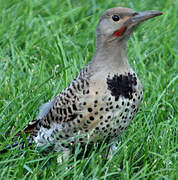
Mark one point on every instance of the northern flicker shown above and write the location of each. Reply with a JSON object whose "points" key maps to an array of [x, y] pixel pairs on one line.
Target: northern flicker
{"points": [[105, 96]]}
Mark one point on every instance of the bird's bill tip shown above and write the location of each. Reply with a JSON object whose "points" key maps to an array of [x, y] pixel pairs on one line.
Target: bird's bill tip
{"points": [[145, 15]]}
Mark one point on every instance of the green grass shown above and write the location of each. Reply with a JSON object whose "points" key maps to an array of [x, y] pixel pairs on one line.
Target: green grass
{"points": [[44, 44]]}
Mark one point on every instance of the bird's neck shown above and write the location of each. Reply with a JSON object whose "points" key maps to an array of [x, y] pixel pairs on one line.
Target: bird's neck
{"points": [[111, 55]]}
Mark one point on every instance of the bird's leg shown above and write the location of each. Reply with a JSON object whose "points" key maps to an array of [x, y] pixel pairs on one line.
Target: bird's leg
{"points": [[64, 156], [111, 150]]}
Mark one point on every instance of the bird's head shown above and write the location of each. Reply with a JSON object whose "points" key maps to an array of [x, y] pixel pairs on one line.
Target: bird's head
{"points": [[119, 23]]}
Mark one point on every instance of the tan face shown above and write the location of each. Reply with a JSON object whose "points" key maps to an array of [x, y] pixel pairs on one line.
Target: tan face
{"points": [[117, 23], [108, 26], [114, 22]]}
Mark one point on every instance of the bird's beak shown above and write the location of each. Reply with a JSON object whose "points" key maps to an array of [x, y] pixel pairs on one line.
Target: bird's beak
{"points": [[143, 16]]}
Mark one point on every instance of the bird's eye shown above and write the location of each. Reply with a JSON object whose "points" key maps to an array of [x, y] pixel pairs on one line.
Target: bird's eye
{"points": [[115, 18]]}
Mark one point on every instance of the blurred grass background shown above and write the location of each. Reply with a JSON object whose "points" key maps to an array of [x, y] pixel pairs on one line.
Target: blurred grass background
{"points": [[44, 44]]}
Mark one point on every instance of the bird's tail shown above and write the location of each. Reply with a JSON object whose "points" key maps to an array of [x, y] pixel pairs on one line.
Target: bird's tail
{"points": [[19, 145], [29, 129]]}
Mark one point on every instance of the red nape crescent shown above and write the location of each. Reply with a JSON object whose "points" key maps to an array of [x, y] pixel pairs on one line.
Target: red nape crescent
{"points": [[120, 31]]}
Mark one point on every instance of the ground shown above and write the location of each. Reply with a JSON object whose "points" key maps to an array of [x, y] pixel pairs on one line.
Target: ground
{"points": [[44, 44]]}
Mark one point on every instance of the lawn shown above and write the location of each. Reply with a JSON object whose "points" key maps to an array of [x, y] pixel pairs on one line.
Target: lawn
{"points": [[44, 44]]}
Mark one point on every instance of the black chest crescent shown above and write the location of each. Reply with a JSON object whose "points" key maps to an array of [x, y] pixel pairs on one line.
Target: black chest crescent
{"points": [[122, 85]]}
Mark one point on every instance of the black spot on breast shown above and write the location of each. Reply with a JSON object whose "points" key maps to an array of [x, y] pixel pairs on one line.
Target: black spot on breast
{"points": [[116, 98], [117, 106], [133, 106], [91, 118], [111, 107], [60, 136], [87, 122], [74, 131], [122, 85], [90, 109], [106, 109], [105, 131]]}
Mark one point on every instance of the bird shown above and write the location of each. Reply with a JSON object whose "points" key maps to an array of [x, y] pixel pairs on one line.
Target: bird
{"points": [[103, 98]]}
